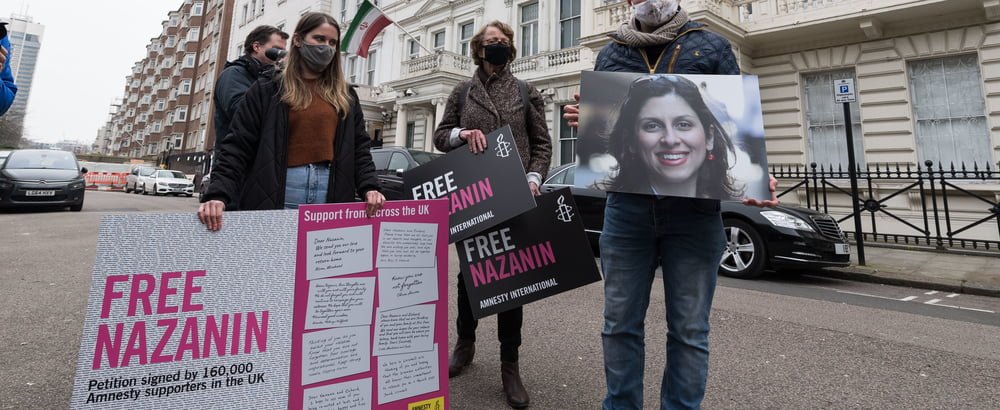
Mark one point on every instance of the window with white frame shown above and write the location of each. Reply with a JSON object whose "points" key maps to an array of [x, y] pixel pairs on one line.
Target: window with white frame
{"points": [[529, 29], [170, 117], [825, 121], [185, 86], [372, 64], [157, 126], [438, 40], [413, 48], [174, 21], [194, 34], [171, 41], [569, 23], [352, 69], [197, 8], [246, 10], [260, 10], [253, 10], [465, 33], [182, 113], [152, 148], [567, 142], [950, 111], [178, 139], [160, 105], [343, 11], [189, 60]]}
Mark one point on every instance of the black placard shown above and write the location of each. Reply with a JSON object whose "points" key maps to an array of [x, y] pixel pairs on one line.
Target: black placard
{"points": [[483, 189], [538, 254]]}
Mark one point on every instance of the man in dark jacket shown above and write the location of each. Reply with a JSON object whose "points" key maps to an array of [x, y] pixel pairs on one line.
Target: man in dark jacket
{"points": [[683, 236], [241, 73]]}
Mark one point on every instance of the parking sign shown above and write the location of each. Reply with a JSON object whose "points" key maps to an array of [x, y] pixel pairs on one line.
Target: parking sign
{"points": [[843, 91]]}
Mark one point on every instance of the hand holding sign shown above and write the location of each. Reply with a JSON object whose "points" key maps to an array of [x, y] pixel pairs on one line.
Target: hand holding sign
{"points": [[475, 139]]}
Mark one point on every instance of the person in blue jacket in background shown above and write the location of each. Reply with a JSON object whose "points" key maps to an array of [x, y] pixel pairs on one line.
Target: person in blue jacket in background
{"points": [[7, 87]]}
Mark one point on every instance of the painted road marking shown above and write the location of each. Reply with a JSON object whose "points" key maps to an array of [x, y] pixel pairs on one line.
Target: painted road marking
{"points": [[952, 295], [931, 292], [932, 302]]}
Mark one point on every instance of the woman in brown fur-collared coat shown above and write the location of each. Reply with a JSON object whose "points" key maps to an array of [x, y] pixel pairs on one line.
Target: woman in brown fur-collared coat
{"points": [[494, 98]]}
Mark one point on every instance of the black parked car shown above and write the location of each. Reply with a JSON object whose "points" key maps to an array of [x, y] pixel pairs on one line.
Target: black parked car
{"points": [[41, 178], [782, 237], [392, 162]]}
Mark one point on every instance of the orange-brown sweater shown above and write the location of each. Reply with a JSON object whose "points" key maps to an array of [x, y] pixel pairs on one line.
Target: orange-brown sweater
{"points": [[311, 132]]}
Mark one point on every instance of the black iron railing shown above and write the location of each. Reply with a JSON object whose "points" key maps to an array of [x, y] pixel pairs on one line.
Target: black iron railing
{"points": [[935, 224]]}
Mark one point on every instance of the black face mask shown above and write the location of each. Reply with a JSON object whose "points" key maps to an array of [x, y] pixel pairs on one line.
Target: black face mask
{"points": [[497, 54]]}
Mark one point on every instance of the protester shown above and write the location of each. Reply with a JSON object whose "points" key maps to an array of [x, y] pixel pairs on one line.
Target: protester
{"points": [[490, 100], [298, 138], [241, 73], [7, 87], [667, 142], [683, 236]]}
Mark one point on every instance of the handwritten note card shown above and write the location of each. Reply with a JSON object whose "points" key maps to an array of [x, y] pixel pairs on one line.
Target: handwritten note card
{"points": [[329, 354], [336, 252], [407, 375], [355, 395], [405, 330], [340, 302], [407, 245], [401, 287]]}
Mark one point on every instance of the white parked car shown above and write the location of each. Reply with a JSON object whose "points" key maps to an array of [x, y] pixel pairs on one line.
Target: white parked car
{"points": [[137, 178], [166, 182]]}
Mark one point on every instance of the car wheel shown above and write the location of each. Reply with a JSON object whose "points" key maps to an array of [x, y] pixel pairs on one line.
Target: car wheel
{"points": [[127, 191], [76, 208], [145, 189], [745, 253], [189, 195]]}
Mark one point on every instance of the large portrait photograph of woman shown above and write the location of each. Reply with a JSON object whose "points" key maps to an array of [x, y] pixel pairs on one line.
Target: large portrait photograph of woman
{"points": [[698, 136]]}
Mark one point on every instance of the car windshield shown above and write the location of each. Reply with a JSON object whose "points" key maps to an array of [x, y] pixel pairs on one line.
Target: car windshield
{"points": [[146, 171], [423, 157], [170, 174], [30, 159]]}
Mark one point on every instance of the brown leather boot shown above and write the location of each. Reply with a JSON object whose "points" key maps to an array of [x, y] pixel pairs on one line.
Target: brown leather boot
{"points": [[464, 351], [517, 395]]}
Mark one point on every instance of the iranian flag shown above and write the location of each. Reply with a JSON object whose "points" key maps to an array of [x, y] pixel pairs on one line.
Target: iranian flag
{"points": [[366, 25]]}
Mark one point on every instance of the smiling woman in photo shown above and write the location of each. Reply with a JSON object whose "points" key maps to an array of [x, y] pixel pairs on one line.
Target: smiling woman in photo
{"points": [[668, 142]]}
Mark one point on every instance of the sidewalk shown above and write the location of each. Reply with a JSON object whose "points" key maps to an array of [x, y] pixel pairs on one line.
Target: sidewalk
{"points": [[961, 273]]}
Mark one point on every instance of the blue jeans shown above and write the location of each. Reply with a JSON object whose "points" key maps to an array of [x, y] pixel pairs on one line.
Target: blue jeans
{"points": [[685, 238], [306, 184]]}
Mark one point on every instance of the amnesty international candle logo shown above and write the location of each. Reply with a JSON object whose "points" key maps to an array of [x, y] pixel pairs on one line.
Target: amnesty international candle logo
{"points": [[503, 147], [538, 254], [565, 212]]}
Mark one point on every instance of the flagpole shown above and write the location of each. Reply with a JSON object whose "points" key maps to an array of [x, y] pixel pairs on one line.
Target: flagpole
{"points": [[414, 38]]}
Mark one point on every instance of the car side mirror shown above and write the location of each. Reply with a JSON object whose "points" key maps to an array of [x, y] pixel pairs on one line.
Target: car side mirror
{"points": [[399, 172], [83, 170]]}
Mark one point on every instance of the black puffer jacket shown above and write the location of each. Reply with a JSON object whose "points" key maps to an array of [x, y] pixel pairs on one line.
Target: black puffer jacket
{"points": [[695, 51], [232, 84], [252, 159]]}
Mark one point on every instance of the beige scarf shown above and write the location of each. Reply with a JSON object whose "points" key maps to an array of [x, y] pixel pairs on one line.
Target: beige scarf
{"points": [[630, 34]]}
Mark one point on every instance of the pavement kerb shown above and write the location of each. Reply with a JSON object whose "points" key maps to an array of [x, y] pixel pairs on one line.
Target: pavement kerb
{"points": [[874, 275]]}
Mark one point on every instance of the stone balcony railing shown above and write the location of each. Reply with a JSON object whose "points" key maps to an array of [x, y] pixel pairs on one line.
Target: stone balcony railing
{"points": [[761, 15], [553, 60], [440, 61]]}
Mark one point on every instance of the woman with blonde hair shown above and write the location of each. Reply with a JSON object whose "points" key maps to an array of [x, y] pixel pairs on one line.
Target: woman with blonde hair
{"points": [[297, 139]]}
